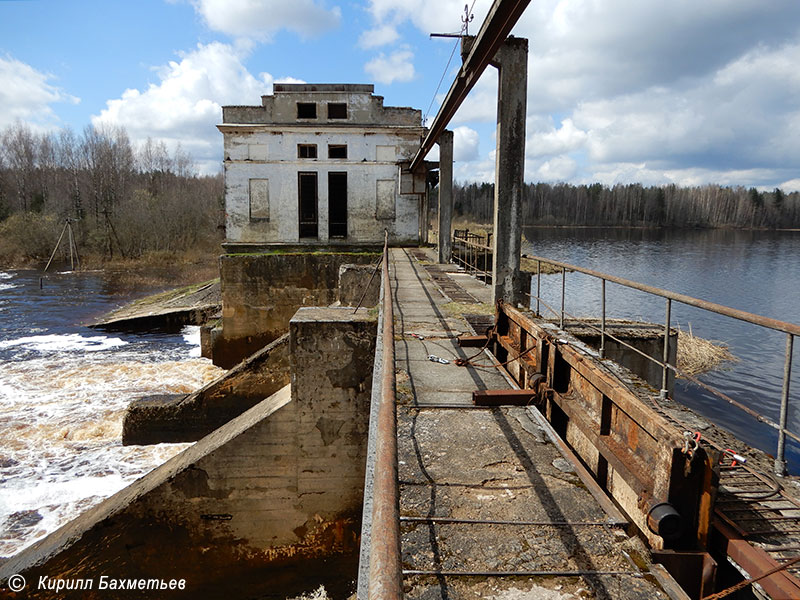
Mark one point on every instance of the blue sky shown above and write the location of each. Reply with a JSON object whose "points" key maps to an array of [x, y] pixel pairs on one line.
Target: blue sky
{"points": [[619, 91]]}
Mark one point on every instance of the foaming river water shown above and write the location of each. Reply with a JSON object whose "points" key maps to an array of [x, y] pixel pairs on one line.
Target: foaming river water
{"points": [[754, 271], [63, 392]]}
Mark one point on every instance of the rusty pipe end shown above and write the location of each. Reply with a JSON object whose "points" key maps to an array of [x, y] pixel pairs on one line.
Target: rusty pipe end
{"points": [[665, 521]]}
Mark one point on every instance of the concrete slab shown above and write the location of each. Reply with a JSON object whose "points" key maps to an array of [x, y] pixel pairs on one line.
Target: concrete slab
{"points": [[488, 465]]}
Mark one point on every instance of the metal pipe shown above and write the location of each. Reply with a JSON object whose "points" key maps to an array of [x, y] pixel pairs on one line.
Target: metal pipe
{"points": [[385, 568], [783, 326], [563, 289], [603, 319], [665, 354], [451, 521], [780, 460], [538, 286]]}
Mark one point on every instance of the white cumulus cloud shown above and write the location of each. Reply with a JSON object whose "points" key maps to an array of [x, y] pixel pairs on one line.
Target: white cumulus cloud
{"points": [[186, 103], [260, 19], [465, 144], [380, 36], [398, 66], [26, 94], [625, 91]]}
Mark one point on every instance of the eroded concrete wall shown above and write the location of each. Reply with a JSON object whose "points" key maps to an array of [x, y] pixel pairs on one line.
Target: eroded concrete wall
{"points": [[251, 509], [189, 417], [261, 292], [359, 283]]}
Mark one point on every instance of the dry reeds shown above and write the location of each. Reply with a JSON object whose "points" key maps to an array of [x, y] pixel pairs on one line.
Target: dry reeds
{"points": [[697, 355]]}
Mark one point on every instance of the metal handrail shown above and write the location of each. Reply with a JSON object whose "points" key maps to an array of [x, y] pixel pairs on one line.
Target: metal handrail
{"points": [[790, 329], [471, 249], [385, 567]]}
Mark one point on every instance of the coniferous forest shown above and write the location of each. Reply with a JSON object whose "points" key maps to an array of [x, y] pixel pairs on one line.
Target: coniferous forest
{"points": [[635, 205]]}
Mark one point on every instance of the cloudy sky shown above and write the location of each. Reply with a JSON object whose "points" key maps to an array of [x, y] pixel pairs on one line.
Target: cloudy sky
{"points": [[619, 91]]}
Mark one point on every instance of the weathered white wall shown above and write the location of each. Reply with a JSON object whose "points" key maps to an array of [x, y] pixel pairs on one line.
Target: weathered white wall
{"points": [[261, 143], [281, 166]]}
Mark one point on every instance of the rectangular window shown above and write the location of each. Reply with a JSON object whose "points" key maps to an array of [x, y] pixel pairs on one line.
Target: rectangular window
{"points": [[337, 205], [259, 199], [337, 150], [384, 208], [306, 151], [307, 204], [306, 110], [337, 110]]}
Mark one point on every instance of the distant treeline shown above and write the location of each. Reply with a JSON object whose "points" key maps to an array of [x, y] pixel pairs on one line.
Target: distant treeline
{"points": [[124, 201], [637, 206]]}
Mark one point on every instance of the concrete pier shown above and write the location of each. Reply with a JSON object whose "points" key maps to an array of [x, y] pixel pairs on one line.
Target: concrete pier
{"points": [[512, 63], [445, 196], [487, 496]]}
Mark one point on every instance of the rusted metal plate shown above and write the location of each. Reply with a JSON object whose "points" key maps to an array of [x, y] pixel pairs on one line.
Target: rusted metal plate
{"points": [[694, 571], [473, 341]]}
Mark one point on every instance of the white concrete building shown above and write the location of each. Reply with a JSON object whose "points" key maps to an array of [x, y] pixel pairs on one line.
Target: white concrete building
{"points": [[321, 163]]}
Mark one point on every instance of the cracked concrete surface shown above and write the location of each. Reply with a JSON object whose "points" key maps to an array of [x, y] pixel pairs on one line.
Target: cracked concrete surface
{"points": [[489, 464]]}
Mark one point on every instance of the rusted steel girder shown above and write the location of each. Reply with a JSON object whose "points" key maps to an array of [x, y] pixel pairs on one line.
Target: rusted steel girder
{"points": [[502, 17], [755, 561], [385, 568]]}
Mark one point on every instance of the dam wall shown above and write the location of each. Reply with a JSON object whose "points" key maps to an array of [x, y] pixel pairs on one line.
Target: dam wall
{"points": [[189, 417], [262, 291], [256, 502]]}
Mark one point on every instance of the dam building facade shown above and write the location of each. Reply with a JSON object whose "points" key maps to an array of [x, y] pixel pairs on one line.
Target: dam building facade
{"points": [[321, 164]]}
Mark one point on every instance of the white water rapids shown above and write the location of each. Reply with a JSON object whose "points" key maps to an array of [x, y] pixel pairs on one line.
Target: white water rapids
{"points": [[63, 393]]}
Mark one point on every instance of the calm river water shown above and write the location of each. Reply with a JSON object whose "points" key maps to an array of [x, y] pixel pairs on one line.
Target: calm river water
{"points": [[758, 272], [63, 392]]}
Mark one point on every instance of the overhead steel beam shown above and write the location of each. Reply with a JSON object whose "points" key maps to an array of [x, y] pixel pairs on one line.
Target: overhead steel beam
{"points": [[501, 19]]}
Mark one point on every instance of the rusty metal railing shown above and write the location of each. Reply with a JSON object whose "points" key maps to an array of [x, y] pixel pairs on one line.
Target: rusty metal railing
{"points": [[790, 329], [473, 252], [382, 577]]}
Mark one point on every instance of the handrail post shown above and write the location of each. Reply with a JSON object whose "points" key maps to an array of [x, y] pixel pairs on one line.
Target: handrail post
{"points": [[780, 459], [563, 289], [538, 286], [603, 319], [665, 354]]}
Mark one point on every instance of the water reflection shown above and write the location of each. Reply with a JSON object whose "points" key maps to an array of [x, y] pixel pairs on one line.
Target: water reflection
{"points": [[753, 271]]}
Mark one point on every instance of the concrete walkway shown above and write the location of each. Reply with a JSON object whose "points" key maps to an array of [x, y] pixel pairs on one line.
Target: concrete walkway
{"points": [[490, 507]]}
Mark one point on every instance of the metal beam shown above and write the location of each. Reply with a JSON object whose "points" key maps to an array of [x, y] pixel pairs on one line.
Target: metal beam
{"points": [[501, 19]]}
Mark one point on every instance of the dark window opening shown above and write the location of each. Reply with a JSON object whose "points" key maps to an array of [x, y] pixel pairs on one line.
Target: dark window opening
{"points": [[337, 110], [306, 151], [337, 205], [306, 110], [307, 198], [337, 151]]}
